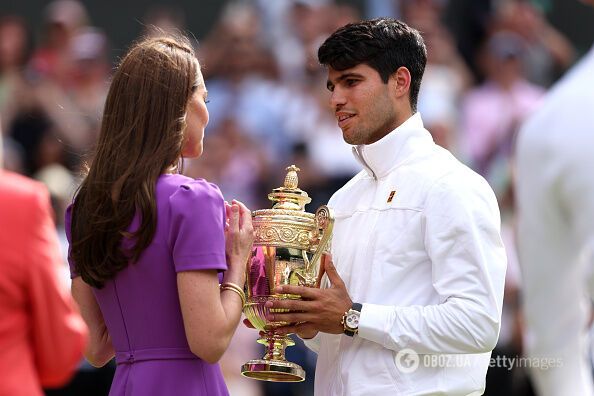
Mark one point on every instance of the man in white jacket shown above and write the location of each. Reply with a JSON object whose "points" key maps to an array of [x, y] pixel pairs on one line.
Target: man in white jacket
{"points": [[555, 195], [414, 304]]}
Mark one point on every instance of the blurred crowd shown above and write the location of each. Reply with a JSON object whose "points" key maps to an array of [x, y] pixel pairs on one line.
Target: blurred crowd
{"points": [[487, 71]]}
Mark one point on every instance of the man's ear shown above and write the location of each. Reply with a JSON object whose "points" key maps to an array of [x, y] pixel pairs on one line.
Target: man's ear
{"points": [[400, 82]]}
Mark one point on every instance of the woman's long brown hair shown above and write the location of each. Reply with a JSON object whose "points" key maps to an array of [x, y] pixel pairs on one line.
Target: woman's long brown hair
{"points": [[141, 137]]}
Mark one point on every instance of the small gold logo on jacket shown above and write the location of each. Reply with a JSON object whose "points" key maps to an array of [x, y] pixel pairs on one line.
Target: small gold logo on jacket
{"points": [[391, 196]]}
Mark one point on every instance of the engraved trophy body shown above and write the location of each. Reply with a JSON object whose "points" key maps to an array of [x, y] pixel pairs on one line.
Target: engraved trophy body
{"points": [[289, 243]]}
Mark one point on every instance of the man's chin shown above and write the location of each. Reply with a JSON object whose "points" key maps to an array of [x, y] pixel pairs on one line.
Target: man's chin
{"points": [[350, 140]]}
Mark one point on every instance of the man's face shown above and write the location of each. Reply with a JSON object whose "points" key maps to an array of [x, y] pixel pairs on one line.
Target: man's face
{"points": [[362, 104]]}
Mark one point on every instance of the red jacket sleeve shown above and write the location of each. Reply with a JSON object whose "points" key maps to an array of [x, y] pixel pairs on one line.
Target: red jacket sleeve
{"points": [[59, 334]]}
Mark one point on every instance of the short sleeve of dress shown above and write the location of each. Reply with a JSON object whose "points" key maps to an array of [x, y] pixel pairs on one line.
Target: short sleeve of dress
{"points": [[196, 235], [67, 225]]}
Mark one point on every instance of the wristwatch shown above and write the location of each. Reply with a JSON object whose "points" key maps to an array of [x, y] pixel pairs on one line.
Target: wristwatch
{"points": [[350, 320]]}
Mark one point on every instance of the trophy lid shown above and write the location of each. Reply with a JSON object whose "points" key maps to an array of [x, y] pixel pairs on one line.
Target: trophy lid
{"points": [[289, 197]]}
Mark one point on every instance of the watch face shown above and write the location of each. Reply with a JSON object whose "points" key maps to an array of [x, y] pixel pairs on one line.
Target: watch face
{"points": [[352, 320]]}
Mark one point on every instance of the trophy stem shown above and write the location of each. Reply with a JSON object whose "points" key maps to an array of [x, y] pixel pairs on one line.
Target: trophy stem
{"points": [[275, 345], [274, 366]]}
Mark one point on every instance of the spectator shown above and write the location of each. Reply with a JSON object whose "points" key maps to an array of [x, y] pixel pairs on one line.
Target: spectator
{"points": [[42, 335], [548, 52], [492, 112]]}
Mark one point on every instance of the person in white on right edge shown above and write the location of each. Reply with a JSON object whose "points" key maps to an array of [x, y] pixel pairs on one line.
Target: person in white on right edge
{"points": [[555, 195]]}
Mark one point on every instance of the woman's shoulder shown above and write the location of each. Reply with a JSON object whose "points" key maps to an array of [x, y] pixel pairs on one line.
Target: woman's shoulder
{"points": [[182, 188]]}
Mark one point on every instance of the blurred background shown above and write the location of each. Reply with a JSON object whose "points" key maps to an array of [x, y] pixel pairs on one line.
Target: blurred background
{"points": [[490, 63]]}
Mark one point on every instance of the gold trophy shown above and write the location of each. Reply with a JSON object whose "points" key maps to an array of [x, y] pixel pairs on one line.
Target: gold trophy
{"points": [[289, 243]]}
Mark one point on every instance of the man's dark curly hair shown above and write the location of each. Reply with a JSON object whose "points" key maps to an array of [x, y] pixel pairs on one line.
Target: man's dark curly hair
{"points": [[385, 44]]}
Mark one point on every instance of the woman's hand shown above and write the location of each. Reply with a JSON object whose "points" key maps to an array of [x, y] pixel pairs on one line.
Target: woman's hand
{"points": [[202, 300], [239, 236]]}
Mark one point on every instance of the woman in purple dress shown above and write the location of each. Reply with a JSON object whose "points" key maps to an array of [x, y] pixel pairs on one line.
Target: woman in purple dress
{"points": [[148, 246]]}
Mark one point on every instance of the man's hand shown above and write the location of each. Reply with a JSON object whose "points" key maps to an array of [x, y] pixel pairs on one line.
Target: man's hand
{"points": [[319, 309]]}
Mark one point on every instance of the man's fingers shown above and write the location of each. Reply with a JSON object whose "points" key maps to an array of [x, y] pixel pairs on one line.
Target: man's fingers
{"points": [[332, 273], [289, 317], [292, 305], [322, 271], [305, 330], [288, 310], [283, 330], [304, 292]]}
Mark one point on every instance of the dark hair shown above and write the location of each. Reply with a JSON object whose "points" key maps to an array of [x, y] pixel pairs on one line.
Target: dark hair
{"points": [[385, 44], [141, 137]]}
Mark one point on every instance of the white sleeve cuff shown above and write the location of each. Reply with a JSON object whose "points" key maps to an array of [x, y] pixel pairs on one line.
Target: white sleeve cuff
{"points": [[375, 322]]}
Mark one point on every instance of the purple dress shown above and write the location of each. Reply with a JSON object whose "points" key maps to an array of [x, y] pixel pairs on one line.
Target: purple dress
{"points": [[141, 304]]}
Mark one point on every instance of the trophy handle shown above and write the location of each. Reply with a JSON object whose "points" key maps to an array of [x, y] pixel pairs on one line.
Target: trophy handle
{"points": [[324, 223]]}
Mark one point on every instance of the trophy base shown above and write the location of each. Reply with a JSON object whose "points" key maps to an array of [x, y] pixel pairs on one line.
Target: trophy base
{"points": [[273, 371]]}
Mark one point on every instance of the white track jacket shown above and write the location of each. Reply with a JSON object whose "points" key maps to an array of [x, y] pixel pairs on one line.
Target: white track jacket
{"points": [[417, 242]]}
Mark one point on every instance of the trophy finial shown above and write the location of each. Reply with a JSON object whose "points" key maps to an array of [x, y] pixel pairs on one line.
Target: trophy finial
{"points": [[290, 196], [291, 180]]}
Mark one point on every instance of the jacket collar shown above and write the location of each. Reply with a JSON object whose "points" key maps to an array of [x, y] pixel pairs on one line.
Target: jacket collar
{"points": [[396, 147]]}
